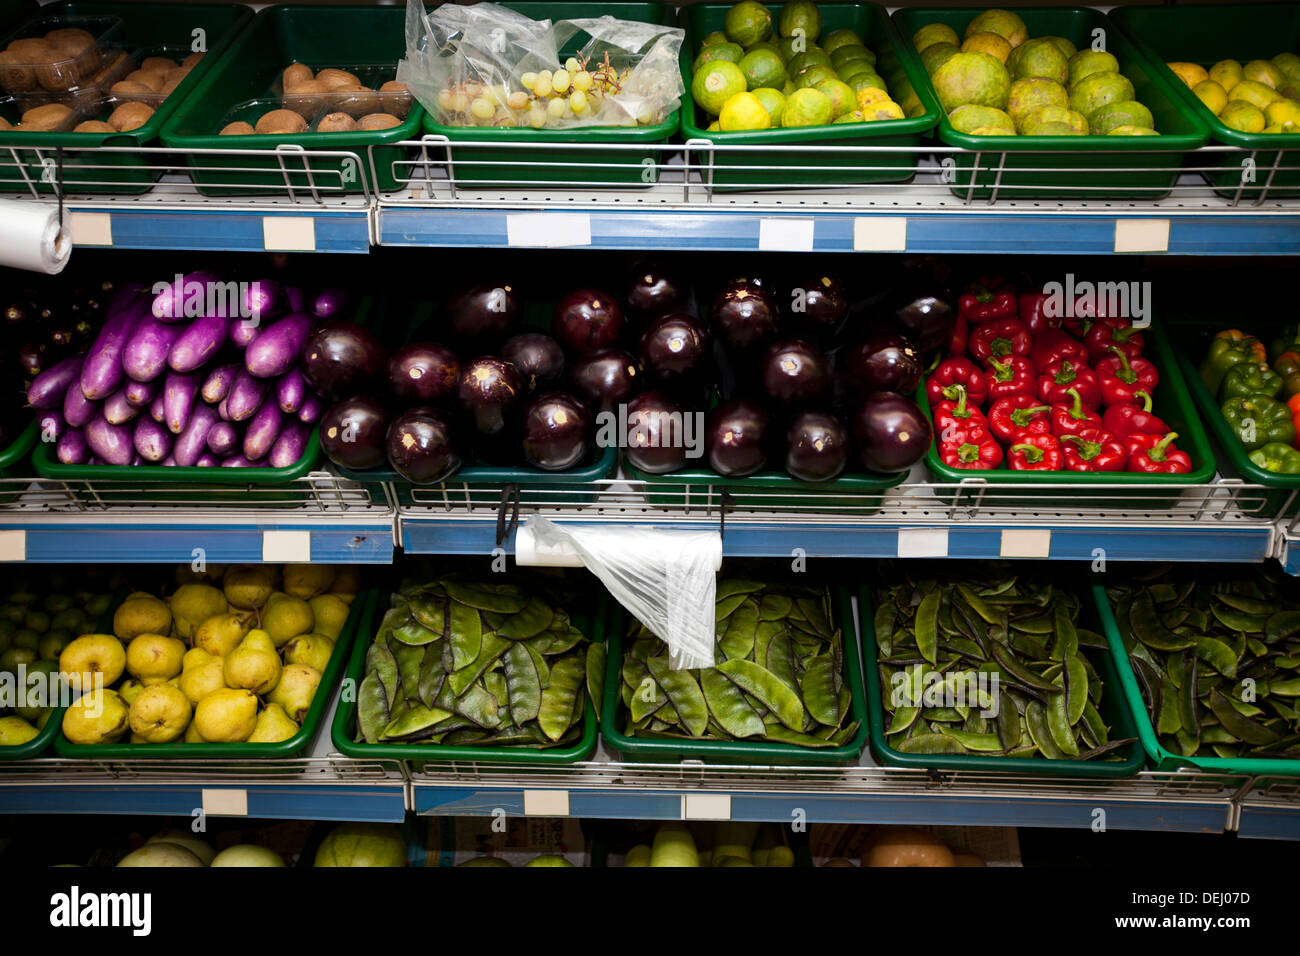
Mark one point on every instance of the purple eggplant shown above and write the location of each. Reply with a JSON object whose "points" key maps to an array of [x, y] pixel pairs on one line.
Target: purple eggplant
{"points": [[217, 385], [102, 373], [78, 410], [185, 297], [151, 440], [263, 300], [207, 460], [72, 448], [198, 343], [276, 350], [262, 431], [179, 392], [193, 441], [243, 331], [117, 410], [329, 303], [222, 439], [312, 409], [291, 391], [145, 355], [158, 407], [48, 390], [51, 425], [236, 461], [223, 409], [290, 446], [140, 394], [110, 443], [245, 397], [168, 462]]}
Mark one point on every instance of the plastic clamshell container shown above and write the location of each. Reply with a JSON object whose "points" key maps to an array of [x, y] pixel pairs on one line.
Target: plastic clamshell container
{"points": [[1193, 340], [141, 26], [1171, 402], [355, 104], [559, 156], [76, 62], [1114, 711], [345, 718], [755, 752], [291, 747], [770, 489], [1027, 168], [319, 36], [1205, 34], [779, 169], [1162, 759]]}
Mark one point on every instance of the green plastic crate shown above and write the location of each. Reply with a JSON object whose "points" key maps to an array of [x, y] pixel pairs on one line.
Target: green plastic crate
{"points": [[1171, 403], [779, 168], [345, 718], [1205, 35], [1193, 340], [150, 28], [564, 160], [295, 745], [18, 448], [340, 36], [757, 752], [1114, 710], [769, 490], [1161, 758], [1071, 167]]}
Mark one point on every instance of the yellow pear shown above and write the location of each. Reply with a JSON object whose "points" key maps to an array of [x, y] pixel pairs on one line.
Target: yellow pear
{"points": [[130, 689], [347, 582], [203, 674], [307, 580], [192, 604], [296, 688], [248, 586], [331, 613], [154, 658], [221, 633], [91, 658], [226, 716], [141, 614], [192, 735], [97, 717], [160, 714], [285, 617], [314, 650], [15, 731], [273, 725], [253, 665], [195, 844]]}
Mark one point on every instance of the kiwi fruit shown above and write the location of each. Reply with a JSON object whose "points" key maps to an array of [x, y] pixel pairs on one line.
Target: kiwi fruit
{"points": [[70, 41], [174, 79], [393, 86], [191, 61], [127, 89], [16, 76], [147, 78], [338, 79], [158, 64], [58, 73], [281, 122], [237, 128], [295, 74], [358, 102], [94, 126], [47, 118], [378, 121], [5, 124], [336, 123], [33, 51], [130, 116], [114, 66]]}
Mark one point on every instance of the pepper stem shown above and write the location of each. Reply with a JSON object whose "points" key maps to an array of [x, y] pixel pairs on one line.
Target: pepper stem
{"points": [[1146, 399], [968, 453], [1002, 371], [1088, 450], [1067, 374], [1033, 454], [1125, 371], [1076, 410], [1021, 416], [1159, 451], [960, 410], [1000, 347]]}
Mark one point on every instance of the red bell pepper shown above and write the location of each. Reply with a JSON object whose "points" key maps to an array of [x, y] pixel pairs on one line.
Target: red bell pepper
{"points": [[960, 333], [982, 302], [1054, 345], [1073, 418], [1155, 455], [1001, 337], [1016, 415], [1121, 377], [1093, 449], [1123, 420], [1056, 381], [1117, 332], [1037, 452], [952, 372], [1031, 307], [1011, 375], [974, 449], [952, 418]]}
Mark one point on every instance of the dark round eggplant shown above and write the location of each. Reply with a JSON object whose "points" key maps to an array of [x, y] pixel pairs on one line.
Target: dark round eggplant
{"points": [[879, 362], [653, 290], [586, 320], [890, 432], [421, 446], [343, 358], [735, 438], [673, 346], [490, 390], [556, 432], [654, 442], [538, 357], [606, 378], [423, 373], [482, 316], [744, 314], [352, 432], [816, 447], [796, 372]]}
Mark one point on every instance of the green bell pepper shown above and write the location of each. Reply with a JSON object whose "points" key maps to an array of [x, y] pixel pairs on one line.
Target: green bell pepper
{"points": [[1250, 379], [1278, 458], [1287, 366], [1287, 338], [1228, 348], [1258, 420]]}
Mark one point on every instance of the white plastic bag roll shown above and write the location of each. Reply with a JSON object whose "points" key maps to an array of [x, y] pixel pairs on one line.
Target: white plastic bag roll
{"points": [[31, 237]]}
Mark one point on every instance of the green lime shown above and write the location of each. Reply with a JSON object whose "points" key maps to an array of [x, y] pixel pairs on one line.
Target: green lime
{"points": [[763, 68], [1120, 113], [1086, 62], [933, 33], [800, 17], [731, 52], [788, 88], [1055, 129], [1064, 45], [765, 45], [1040, 57], [866, 81], [806, 107], [744, 111], [715, 84], [969, 118], [936, 55], [810, 77], [852, 54], [786, 46], [1004, 23], [1030, 93], [840, 38], [978, 78], [801, 61], [842, 96], [852, 116], [717, 36], [747, 22], [1099, 89], [1029, 123], [773, 101]]}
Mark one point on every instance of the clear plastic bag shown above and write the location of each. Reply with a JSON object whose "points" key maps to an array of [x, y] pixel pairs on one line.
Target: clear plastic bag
{"points": [[486, 65]]}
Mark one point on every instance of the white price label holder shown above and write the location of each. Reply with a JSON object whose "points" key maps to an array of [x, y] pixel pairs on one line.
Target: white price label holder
{"points": [[286, 547], [546, 803], [1141, 235], [13, 545], [880, 234], [923, 542], [225, 803], [289, 233], [1026, 543], [548, 230], [91, 228], [706, 806], [786, 235]]}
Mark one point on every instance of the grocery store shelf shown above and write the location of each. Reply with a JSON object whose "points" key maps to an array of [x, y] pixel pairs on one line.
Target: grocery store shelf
{"points": [[1271, 810]]}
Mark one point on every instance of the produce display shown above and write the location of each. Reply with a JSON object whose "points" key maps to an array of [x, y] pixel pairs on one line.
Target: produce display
{"points": [[1263, 96], [995, 80], [464, 662], [202, 372], [675, 844], [762, 71], [1025, 391], [58, 56], [41, 615], [1217, 659], [1259, 401], [329, 100], [938, 641], [181, 848], [890, 846], [779, 675], [231, 655]]}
